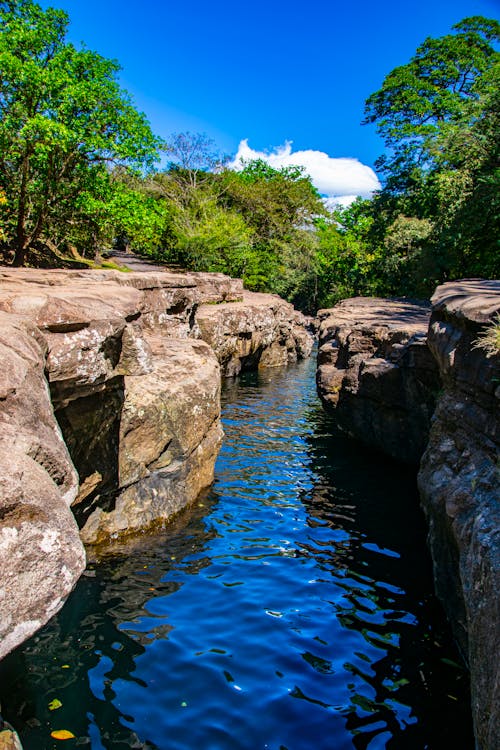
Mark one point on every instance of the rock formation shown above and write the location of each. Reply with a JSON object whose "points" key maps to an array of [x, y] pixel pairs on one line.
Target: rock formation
{"points": [[459, 485], [41, 556], [261, 330], [375, 370], [381, 368], [105, 372]]}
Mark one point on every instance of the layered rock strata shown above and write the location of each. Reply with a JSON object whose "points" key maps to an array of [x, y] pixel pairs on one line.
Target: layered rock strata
{"points": [[376, 372], [459, 484], [106, 372]]}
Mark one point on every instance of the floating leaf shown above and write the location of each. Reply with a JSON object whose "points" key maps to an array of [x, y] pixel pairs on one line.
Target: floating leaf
{"points": [[62, 734], [451, 663], [56, 703], [65, 666]]}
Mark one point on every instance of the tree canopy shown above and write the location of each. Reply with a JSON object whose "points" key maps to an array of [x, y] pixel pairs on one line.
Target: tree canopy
{"points": [[63, 121], [437, 216], [423, 105]]}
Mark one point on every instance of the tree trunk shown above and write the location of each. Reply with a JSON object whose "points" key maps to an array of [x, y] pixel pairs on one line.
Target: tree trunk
{"points": [[20, 256]]}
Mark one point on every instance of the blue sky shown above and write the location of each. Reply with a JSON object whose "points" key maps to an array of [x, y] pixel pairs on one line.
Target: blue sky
{"points": [[267, 71]]}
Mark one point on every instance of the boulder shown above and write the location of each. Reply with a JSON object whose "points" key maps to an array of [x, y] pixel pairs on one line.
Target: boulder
{"points": [[169, 438], [261, 330], [41, 555], [460, 488], [376, 373]]}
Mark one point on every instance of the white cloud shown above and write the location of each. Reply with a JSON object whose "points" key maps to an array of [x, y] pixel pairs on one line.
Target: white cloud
{"points": [[339, 179]]}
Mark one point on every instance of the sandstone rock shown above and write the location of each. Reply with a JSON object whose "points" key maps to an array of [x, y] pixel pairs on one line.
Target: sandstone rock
{"points": [[169, 439], [41, 555], [261, 330], [460, 489], [376, 372]]}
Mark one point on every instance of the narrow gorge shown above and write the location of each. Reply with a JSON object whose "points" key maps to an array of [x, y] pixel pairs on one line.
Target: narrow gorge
{"points": [[110, 424], [412, 381]]}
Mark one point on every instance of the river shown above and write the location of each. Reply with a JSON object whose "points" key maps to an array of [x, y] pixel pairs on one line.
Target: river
{"points": [[290, 609]]}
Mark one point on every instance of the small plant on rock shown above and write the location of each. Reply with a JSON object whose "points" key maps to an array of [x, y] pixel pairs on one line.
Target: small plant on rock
{"points": [[489, 339]]}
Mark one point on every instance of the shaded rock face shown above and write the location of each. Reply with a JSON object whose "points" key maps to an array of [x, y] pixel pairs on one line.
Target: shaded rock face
{"points": [[377, 373], [261, 330], [41, 555], [106, 372], [460, 488]]}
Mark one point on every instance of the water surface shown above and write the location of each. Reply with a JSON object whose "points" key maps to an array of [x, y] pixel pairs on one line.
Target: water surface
{"points": [[290, 609]]}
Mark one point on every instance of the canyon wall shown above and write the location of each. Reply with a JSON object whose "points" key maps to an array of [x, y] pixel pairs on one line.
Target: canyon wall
{"points": [[459, 483], [411, 381], [377, 374]]}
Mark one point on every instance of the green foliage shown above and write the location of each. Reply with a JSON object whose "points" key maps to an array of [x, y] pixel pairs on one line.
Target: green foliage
{"points": [[438, 215], [76, 173], [347, 263], [209, 238], [63, 121], [427, 101]]}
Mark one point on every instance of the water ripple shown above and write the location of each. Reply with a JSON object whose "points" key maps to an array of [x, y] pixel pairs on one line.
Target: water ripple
{"points": [[289, 609]]}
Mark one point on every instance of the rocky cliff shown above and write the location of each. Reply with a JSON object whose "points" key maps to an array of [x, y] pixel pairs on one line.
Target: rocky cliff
{"points": [[384, 366], [375, 370], [459, 485], [41, 556], [107, 373]]}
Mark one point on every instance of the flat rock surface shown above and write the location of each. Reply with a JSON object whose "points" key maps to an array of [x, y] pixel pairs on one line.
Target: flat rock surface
{"points": [[475, 300]]}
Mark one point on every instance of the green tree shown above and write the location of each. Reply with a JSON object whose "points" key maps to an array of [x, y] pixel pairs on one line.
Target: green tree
{"points": [[193, 157], [279, 205], [438, 214], [428, 101], [349, 263], [64, 121]]}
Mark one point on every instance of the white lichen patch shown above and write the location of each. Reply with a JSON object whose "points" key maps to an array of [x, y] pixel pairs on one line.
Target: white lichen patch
{"points": [[8, 537], [49, 541]]}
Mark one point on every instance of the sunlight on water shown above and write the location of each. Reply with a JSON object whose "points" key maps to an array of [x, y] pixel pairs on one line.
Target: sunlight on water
{"points": [[290, 609]]}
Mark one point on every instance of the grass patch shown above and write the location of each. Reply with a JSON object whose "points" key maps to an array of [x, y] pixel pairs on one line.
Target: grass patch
{"points": [[489, 339], [109, 265]]}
